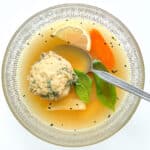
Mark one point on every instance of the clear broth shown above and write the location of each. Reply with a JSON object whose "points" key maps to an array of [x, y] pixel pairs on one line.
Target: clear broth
{"points": [[42, 41]]}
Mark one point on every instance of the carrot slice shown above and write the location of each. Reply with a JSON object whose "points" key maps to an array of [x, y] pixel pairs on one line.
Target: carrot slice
{"points": [[100, 50]]}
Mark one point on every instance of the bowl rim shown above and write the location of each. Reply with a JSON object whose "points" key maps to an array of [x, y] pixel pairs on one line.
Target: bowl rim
{"points": [[3, 78]]}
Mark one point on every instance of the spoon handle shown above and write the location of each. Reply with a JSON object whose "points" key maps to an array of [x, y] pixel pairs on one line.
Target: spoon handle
{"points": [[122, 84]]}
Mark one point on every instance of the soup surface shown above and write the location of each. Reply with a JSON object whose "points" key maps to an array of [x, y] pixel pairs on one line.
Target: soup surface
{"points": [[95, 112]]}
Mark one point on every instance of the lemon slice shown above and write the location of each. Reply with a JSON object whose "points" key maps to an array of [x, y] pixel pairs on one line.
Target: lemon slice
{"points": [[76, 36]]}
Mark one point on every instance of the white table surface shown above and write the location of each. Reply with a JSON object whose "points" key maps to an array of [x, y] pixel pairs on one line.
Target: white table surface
{"points": [[135, 14]]}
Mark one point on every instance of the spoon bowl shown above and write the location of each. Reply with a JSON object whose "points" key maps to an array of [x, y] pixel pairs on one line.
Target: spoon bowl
{"points": [[74, 53]]}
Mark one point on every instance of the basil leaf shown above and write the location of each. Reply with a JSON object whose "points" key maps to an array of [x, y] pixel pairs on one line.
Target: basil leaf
{"points": [[106, 92], [83, 86], [98, 65], [82, 92], [84, 79]]}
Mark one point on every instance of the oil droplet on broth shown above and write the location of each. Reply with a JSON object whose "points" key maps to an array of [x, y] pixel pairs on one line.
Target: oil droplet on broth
{"points": [[95, 111]]}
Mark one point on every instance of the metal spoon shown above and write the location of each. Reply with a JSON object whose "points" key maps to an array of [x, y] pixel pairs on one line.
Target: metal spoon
{"points": [[103, 74]]}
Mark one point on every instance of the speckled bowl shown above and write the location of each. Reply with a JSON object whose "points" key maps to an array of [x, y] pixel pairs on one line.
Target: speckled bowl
{"points": [[63, 137]]}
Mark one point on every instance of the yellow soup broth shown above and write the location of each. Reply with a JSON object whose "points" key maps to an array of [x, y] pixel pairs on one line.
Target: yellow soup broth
{"points": [[95, 112]]}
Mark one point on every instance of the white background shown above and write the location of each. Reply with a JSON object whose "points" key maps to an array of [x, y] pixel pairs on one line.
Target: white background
{"points": [[135, 14]]}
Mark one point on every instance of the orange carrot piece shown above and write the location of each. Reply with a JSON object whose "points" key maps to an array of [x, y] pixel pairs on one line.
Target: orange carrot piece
{"points": [[100, 50]]}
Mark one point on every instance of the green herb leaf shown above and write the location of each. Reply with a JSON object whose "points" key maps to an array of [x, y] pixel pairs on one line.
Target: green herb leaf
{"points": [[49, 84], [83, 86], [106, 92], [82, 92], [98, 65], [84, 79]]}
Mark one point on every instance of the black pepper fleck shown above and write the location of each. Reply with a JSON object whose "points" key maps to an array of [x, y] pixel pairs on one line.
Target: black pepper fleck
{"points": [[28, 43], [110, 43], [114, 71], [77, 104], [113, 38], [67, 20], [94, 121], [68, 42], [49, 107], [24, 95], [109, 116], [105, 43], [52, 36], [51, 124], [119, 44], [80, 22], [125, 65], [70, 108], [39, 33], [50, 103]]}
